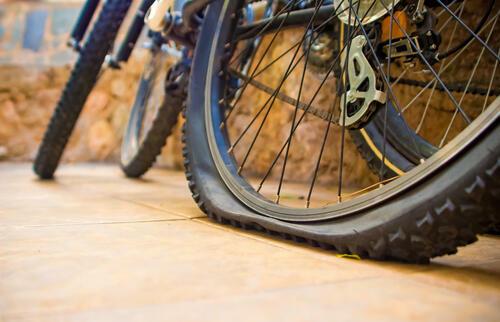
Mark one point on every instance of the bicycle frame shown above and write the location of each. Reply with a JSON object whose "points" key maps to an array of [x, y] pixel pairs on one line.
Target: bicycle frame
{"points": [[87, 13], [157, 21], [180, 23], [133, 33], [181, 26], [178, 26]]}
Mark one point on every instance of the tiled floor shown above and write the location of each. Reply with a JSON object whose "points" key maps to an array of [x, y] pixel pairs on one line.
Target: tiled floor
{"points": [[94, 246]]}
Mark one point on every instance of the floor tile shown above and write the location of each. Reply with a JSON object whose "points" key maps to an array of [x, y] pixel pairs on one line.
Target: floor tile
{"points": [[83, 267], [366, 299], [93, 245]]}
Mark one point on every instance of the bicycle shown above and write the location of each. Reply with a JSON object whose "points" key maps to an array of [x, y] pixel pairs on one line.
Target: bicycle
{"points": [[326, 69], [435, 186], [94, 48]]}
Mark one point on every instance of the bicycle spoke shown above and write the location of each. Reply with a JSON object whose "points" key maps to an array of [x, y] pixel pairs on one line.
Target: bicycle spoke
{"points": [[316, 29], [384, 135], [258, 64], [289, 5], [255, 73], [295, 113], [323, 144], [461, 8], [429, 66], [443, 11], [330, 70], [449, 64], [287, 73], [270, 91], [276, 93], [306, 110], [345, 80], [490, 84], [458, 10], [471, 32], [467, 86]]}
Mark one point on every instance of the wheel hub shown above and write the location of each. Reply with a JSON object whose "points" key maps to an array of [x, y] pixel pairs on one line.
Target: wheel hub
{"points": [[324, 49]]}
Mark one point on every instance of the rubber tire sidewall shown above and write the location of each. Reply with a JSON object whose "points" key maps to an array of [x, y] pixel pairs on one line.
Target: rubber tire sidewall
{"points": [[399, 217]]}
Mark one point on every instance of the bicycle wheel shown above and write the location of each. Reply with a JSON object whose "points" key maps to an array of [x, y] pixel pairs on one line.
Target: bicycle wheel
{"points": [[159, 100], [80, 83], [400, 142], [265, 159]]}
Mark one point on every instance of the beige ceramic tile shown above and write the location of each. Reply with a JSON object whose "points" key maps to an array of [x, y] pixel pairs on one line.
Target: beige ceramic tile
{"points": [[81, 212], [318, 253], [485, 251], [167, 192], [178, 203], [25, 200], [87, 267], [474, 270], [89, 170], [67, 208], [95, 246], [364, 299]]}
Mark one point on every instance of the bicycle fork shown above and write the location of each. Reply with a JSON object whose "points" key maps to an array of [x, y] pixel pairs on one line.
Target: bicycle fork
{"points": [[82, 23], [125, 49], [177, 26]]}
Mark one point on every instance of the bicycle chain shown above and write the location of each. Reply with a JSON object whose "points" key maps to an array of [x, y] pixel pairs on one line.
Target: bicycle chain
{"points": [[452, 87], [308, 108], [326, 116]]}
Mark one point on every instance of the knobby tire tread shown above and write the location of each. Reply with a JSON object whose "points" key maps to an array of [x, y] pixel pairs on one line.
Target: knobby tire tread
{"points": [[80, 83]]}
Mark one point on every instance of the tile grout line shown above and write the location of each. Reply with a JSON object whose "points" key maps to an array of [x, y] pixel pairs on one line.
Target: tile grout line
{"points": [[303, 249], [281, 244], [296, 247], [172, 212], [98, 223]]}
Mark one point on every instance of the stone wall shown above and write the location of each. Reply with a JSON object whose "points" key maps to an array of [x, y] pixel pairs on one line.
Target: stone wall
{"points": [[34, 33], [33, 69], [34, 66], [33, 72]]}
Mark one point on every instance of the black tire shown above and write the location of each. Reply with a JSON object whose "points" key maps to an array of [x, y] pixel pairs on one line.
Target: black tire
{"points": [[139, 152], [81, 81], [370, 144], [494, 231], [399, 159], [432, 216], [401, 143]]}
